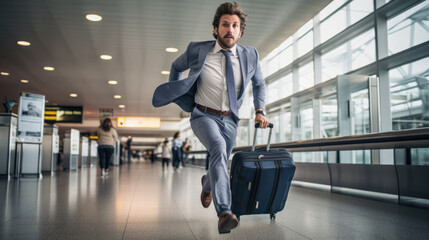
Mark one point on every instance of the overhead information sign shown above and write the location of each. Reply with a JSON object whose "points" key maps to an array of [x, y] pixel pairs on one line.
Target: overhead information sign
{"points": [[138, 122], [105, 112], [66, 114]]}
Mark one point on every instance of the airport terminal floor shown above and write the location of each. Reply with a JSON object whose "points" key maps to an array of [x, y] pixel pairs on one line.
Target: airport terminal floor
{"points": [[141, 201]]}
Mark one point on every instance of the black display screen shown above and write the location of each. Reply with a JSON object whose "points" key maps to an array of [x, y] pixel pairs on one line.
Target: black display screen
{"points": [[63, 114]]}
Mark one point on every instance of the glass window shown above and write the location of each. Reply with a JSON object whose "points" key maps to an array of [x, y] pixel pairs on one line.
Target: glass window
{"points": [[285, 44], [334, 63], [360, 9], [334, 5], [243, 132], [269, 63], [360, 112], [305, 43], [306, 76], [329, 117], [306, 123], [363, 49], [345, 17], [381, 3], [355, 157], [305, 157], [285, 86], [420, 156], [409, 95], [359, 123], [304, 131], [285, 57], [409, 28], [351, 55], [275, 119], [333, 25], [278, 58], [286, 126], [279, 88], [271, 66], [272, 94], [305, 28]]}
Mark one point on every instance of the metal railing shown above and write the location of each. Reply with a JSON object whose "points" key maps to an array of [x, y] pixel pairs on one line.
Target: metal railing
{"points": [[400, 181], [415, 138]]}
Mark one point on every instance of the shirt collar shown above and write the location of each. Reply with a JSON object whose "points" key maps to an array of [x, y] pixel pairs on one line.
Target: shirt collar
{"points": [[217, 49]]}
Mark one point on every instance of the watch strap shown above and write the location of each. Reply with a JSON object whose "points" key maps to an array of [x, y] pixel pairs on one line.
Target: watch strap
{"points": [[260, 112]]}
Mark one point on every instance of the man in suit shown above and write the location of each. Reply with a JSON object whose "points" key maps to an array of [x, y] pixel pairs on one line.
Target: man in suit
{"points": [[214, 91]]}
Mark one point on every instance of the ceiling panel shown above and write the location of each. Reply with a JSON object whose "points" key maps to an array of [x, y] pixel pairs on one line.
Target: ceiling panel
{"points": [[134, 32]]}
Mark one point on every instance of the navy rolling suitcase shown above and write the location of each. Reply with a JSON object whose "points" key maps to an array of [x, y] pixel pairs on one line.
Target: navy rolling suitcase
{"points": [[260, 180]]}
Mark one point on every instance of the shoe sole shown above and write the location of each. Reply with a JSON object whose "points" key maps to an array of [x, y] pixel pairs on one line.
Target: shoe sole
{"points": [[228, 225]]}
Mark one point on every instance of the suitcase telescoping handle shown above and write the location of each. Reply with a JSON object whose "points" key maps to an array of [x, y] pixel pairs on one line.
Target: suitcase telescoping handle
{"points": [[269, 136]]}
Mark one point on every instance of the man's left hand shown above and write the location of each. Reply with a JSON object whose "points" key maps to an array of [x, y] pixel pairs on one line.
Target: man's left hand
{"points": [[262, 120]]}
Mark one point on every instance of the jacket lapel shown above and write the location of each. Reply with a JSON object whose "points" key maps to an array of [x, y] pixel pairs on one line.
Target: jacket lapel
{"points": [[203, 52]]}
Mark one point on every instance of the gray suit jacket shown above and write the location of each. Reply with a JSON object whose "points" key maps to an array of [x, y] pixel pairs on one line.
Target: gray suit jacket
{"points": [[182, 91]]}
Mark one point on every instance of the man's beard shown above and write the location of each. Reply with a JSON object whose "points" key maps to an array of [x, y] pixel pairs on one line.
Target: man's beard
{"points": [[226, 44]]}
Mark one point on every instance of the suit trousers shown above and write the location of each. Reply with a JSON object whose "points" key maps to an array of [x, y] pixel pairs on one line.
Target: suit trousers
{"points": [[217, 134]]}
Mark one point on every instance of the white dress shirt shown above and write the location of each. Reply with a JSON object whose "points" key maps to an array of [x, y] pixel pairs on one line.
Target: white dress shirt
{"points": [[211, 88]]}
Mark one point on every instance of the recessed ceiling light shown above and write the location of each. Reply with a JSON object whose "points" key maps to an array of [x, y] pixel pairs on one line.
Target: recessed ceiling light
{"points": [[165, 72], [93, 17], [24, 43], [24, 81], [49, 68], [106, 57], [4, 73], [73, 94], [171, 49], [121, 106], [117, 96], [112, 82]]}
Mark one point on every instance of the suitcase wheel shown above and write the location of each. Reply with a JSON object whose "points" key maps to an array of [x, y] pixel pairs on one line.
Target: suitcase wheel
{"points": [[272, 216], [238, 218]]}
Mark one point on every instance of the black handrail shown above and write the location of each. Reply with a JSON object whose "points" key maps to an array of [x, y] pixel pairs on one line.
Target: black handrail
{"points": [[414, 138]]}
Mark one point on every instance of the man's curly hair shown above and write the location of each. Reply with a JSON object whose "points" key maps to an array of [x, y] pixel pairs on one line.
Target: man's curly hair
{"points": [[232, 9]]}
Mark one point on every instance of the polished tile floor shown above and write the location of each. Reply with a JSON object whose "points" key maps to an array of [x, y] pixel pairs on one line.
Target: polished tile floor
{"points": [[140, 201]]}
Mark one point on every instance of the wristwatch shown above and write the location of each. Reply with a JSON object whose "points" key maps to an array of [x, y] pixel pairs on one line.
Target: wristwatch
{"points": [[260, 112]]}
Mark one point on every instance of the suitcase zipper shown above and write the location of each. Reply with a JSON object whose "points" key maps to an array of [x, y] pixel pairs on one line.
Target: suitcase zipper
{"points": [[258, 174], [279, 168]]}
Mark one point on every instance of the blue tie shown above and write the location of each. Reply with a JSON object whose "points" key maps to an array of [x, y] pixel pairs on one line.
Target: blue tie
{"points": [[230, 83]]}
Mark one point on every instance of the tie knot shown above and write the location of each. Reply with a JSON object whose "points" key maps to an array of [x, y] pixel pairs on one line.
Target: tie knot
{"points": [[226, 52]]}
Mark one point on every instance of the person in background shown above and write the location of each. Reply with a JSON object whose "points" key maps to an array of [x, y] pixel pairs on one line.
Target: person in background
{"points": [[129, 140], [152, 156], [107, 136], [185, 152], [121, 154], [177, 150], [134, 155], [166, 153]]}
